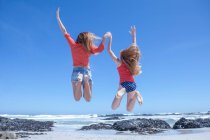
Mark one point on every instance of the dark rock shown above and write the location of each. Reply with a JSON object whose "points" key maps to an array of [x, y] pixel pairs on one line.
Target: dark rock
{"points": [[204, 122], [125, 125], [97, 126], [187, 123], [141, 125], [147, 115], [146, 131], [24, 125], [112, 115], [27, 134], [113, 118]]}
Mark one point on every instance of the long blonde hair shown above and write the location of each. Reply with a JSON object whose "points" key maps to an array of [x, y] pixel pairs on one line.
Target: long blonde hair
{"points": [[130, 56], [86, 39]]}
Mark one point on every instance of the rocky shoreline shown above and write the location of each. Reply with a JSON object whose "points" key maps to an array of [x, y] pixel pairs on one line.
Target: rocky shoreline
{"points": [[148, 126], [189, 123], [19, 128]]}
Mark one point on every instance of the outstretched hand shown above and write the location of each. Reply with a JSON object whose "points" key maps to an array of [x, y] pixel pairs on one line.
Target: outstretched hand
{"points": [[108, 34], [133, 30], [133, 34]]}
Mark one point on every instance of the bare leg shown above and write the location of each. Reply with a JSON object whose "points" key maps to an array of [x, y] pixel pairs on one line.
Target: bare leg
{"points": [[131, 99], [77, 90], [118, 97], [87, 88]]}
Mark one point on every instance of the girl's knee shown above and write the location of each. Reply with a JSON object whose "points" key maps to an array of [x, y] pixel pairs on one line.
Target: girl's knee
{"points": [[129, 109], [114, 107], [130, 105]]}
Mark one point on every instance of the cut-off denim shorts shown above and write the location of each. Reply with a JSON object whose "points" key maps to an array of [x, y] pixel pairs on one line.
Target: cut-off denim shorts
{"points": [[79, 73], [129, 86]]}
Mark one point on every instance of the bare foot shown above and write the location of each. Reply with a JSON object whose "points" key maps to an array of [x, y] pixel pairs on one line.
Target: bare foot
{"points": [[139, 98]]}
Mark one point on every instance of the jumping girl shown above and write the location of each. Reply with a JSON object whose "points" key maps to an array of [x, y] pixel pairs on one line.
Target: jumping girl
{"points": [[127, 66], [81, 50]]}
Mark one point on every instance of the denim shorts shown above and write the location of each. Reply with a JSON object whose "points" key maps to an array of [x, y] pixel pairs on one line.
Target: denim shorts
{"points": [[79, 73], [129, 86]]}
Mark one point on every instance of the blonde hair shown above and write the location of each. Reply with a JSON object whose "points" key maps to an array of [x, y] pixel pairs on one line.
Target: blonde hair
{"points": [[130, 56], [86, 39]]}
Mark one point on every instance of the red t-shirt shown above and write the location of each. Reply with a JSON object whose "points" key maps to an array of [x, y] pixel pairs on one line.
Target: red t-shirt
{"points": [[124, 73], [79, 55]]}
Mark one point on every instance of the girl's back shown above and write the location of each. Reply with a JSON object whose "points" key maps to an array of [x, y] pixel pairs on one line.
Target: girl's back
{"points": [[124, 73], [80, 55]]}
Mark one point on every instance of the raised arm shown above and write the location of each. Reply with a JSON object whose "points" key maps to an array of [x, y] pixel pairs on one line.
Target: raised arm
{"points": [[63, 29], [111, 53], [133, 34]]}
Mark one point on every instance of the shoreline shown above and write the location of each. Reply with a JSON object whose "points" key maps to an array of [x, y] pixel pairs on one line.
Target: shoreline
{"points": [[108, 135], [113, 127]]}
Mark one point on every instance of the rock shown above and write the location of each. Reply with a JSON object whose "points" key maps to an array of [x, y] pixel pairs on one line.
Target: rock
{"points": [[147, 115], [7, 135], [204, 122], [113, 118], [145, 131], [112, 115], [25, 125], [97, 126], [125, 125], [137, 125], [141, 126], [187, 123], [27, 134]]}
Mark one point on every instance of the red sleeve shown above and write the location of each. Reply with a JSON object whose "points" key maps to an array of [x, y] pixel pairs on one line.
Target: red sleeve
{"points": [[98, 49], [70, 40]]}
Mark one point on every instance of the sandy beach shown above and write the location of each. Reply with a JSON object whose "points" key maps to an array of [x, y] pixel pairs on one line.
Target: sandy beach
{"points": [[84, 136]]}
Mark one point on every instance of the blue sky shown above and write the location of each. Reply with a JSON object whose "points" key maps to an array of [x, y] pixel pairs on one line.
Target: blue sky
{"points": [[36, 63]]}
